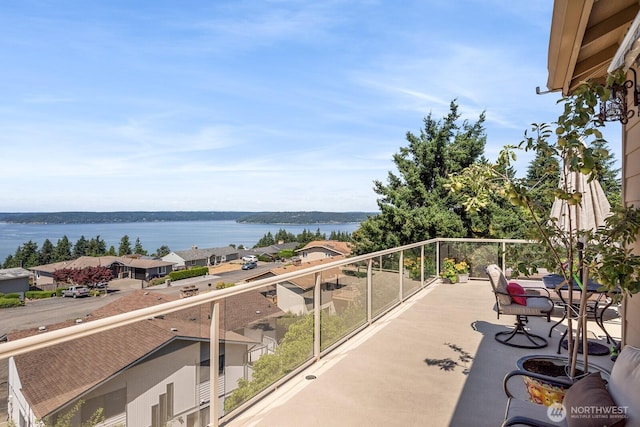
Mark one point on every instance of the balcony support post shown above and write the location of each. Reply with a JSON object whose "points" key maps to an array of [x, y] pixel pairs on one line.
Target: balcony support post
{"points": [[504, 256], [214, 362], [317, 295]]}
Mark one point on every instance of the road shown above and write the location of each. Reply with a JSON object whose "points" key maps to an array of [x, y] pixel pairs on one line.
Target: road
{"points": [[53, 310]]}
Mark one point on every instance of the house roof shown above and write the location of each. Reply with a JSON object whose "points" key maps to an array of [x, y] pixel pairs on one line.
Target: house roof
{"points": [[342, 248], [197, 253], [57, 375], [102, 261], [307, 281], [585, 36], [14, 273]]}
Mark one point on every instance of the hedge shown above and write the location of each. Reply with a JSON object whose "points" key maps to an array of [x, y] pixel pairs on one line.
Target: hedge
{"points": [[192, 272], [39, 294], [11, 295], [10, 302]]}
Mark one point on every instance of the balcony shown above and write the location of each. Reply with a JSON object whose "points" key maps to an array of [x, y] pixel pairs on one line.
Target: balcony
{"points": [[390, 345]]}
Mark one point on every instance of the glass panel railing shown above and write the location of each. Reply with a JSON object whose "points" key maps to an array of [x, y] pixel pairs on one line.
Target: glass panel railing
{"points": [[477, 255], [343, 302], [270, 332], [430, 261], [412, 271], [385, 283]]}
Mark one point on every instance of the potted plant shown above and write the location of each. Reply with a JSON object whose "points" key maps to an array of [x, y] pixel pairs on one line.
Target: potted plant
{"points": [[576, 254], [455, 271], [462, 269], [449, 272]]}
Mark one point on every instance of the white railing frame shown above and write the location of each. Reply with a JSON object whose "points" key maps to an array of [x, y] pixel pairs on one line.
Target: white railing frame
{"points": [[36, 342]]}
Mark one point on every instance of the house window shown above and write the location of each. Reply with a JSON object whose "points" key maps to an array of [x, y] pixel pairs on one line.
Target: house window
{"points": [[304, 254], [163, 411], [193, 262]]}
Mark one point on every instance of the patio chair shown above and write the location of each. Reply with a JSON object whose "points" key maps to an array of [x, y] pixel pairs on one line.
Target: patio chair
{"points": [[536, 302], [614, 402]]}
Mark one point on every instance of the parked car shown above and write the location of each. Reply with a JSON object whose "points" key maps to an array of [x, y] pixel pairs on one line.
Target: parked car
{"points": [[249, 265], [250, 258], [76, 291]]}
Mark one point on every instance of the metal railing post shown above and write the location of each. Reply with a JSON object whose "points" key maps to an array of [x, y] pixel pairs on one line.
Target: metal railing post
{"points": [[422, 266], [438, 258], [504, 256], [401, 274], [316, 316], [369, 289], [214, 364]]}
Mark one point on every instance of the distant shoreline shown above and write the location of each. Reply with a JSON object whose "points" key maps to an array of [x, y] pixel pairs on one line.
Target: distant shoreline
{"points": [[276, 218]]}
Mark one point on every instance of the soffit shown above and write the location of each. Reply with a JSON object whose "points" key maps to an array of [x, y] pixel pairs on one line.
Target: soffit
{"points": [[585, 35]]}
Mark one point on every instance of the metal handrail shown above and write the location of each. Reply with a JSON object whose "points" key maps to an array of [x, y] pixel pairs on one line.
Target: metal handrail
{"points": [[50, 338]]}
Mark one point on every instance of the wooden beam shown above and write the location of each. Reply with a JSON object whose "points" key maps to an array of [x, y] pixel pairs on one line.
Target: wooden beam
{"points": [[611, 24]]}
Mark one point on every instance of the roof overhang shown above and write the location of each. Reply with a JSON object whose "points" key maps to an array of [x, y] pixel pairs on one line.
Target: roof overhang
{"points": [[585, 37]]}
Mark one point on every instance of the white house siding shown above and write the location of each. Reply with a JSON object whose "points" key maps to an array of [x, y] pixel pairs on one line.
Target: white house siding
{"points": [[631, 197], [290, 299], [174, 258], [17, 407]]}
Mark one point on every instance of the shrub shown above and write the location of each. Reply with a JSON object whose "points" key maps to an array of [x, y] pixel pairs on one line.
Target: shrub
{"points": [[39, 294], [10, 302], [59, 292], [158, 281], [223, 285], [192, 272], [11, 295], [95, 292]]}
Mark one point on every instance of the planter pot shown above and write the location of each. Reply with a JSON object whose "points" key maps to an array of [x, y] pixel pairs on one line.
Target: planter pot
{"points": [[547, 393], [463, 277]]}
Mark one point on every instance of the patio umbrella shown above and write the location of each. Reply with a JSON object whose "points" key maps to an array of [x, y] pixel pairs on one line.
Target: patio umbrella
{"points": [[589, 214]]}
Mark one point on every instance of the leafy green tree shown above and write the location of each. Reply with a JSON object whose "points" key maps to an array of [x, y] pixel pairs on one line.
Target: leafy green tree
{"points": [[138, 249], [63, 250], [125, 246], [414, 204], [80, 247]]}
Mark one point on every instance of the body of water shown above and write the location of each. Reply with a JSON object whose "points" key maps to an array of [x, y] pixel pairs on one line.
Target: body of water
{"points": [[178, 235]]}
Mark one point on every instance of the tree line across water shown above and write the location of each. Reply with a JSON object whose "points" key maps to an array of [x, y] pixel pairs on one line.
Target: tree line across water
{"points": [[296, 217], [30, 255]]}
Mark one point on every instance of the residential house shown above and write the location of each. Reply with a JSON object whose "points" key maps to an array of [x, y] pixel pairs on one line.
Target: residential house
{"points": [[589, 39], [271, 251], [150, 373], [296, 295], [196, 257], [322, 249], [129, 267], [14, 280]]}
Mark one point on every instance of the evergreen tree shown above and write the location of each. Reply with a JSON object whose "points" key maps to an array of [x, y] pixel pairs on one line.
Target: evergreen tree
{"points": [[414, 204], [80, 247], [63, 250], [609, 176], [125, 246], [266, 240], [112, 251], [138, 249], [96, 246], [47, 252], [162, 251]]}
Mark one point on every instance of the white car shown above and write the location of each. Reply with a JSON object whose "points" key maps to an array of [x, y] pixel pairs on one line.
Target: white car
{"points": [[249, 258]]}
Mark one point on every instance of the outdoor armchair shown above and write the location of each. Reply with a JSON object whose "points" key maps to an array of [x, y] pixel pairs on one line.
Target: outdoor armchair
{"points": [[535, 301]]}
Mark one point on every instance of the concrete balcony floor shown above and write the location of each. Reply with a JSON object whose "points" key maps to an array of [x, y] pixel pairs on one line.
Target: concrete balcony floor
{"points": [[431, 362]]}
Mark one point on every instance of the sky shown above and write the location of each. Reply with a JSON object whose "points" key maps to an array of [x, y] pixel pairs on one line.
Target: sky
{"points": [[260, 105]]}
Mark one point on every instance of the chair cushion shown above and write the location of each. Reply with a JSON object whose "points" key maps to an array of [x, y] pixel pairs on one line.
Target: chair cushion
{"points": [[589, 404], [624, 384], [514, 290], [499, 284]]}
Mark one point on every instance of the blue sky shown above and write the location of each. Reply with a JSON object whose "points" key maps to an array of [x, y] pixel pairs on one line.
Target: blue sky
{"points": [[250, 105]]}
